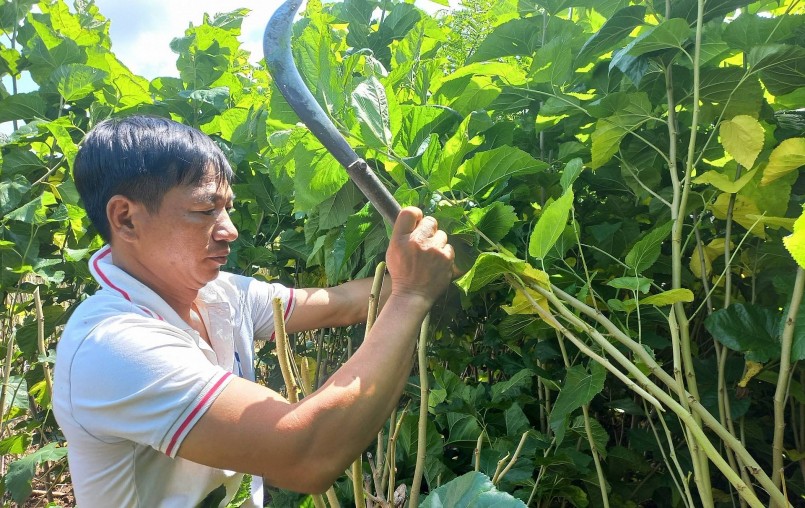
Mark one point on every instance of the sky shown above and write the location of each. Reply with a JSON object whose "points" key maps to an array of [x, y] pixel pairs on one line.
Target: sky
{"points": [[141, 30]]}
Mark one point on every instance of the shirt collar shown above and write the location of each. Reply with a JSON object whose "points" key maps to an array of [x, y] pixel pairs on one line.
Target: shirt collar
{"points": [[119, 282]]}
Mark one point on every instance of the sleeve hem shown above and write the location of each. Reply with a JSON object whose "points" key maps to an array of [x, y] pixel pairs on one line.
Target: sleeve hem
{"points": [[216, 386]]}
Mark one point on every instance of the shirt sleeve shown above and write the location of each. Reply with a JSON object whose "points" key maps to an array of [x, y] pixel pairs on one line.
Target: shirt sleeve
{"points": [[144, 381], [258, 297]]}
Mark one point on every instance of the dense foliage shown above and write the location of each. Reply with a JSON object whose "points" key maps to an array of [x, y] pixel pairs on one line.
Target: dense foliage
{"points": [[621, 180]]}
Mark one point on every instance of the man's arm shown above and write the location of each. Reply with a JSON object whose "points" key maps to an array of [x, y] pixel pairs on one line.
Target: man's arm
{"points": [[306, 446], [342, 305]]}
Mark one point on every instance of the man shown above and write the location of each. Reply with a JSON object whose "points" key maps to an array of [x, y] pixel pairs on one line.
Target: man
{"points": [[154, 373]]}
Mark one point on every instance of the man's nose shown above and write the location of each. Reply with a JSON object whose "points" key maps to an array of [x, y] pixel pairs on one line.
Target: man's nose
{"points": [[225, 229]]}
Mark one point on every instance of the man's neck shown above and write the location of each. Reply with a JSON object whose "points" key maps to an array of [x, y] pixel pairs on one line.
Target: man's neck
{"points": [[179, 299]]}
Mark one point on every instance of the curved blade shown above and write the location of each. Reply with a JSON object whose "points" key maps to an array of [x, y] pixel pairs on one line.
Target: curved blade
{"points": [[277, 50]]}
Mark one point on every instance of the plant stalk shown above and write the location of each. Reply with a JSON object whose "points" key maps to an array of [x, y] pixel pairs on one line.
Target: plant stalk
{"points": [[422, 427], [784, 379], [695, 406], [40, 336]]}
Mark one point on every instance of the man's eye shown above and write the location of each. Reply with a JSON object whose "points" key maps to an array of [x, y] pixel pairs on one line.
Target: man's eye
{"points": [[208, 212]]}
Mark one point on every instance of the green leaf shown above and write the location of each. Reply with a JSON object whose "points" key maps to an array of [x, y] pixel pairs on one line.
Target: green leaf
{"points": [[781, 67], [15, 444], [669, 297], [318, 175], [731, 91], [372, 109], [552, 62], [750, 30], [452, 155], [550, 226], [468, 94], [624, 113], [742, 137], [749, 329], [641, 284], [516, 420], [785, 158], [795, 243], [646, 251], [21, 472], [472, 490], [579, 388], [488, 267], [76, 81], [725, 183], [670, 34], [493, 166], [516, 37], [606, 139], [22, 106], [11, 192], [494, 221], [512, 387], [570, 173], [463, 428], [612, 32]]}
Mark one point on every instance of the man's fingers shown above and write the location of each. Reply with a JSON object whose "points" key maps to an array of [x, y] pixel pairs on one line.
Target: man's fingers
{"points": [[407, 221]]}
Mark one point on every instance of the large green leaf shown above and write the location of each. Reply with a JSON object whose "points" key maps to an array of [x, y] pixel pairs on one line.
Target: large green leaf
{"points": [[625, 113], [21, 472], [472, 490], [22, 106], [494, 221], [12, 192], [512, 387], [781, 67], [516, 37], [76, 81], [552, 62], [670, 34], [688, 9], [468, 94], [614, 30], [550, 226], [750, 30], [494, 166], [488, 267], [318, 175], [579, 388], [749, 329], [785, 158], [742, 137], [452, 155], [647, 250], [372, 109]]}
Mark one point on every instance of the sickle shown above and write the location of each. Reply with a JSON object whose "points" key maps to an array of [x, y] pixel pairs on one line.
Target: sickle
{"points": [[277, 50]]}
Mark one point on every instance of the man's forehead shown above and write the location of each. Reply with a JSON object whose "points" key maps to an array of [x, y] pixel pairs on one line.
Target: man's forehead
{"points": [[212, 190]]}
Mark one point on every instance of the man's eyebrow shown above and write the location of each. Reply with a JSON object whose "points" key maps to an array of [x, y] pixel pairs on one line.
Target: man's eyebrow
{"points": [[215, 197]]}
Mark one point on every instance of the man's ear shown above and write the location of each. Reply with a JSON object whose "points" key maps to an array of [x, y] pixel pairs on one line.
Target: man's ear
{"points": [[122, 213]]}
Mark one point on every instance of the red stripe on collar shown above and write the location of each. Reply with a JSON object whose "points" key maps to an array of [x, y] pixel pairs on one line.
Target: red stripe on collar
{"points": [[105, 278]]}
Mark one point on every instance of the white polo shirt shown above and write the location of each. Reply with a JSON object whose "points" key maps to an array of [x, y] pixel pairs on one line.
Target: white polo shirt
{"points": [[132, 378]]}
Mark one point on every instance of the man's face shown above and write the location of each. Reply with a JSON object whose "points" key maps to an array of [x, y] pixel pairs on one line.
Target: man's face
{"points": [[185, 243]]}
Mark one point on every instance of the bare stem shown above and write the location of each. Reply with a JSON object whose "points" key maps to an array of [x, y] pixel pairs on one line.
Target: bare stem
{"points": [[40, 335], [422, 428], [784, 378]]}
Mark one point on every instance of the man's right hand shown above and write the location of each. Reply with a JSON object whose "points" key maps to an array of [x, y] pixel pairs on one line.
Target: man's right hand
{"points": [[419, 258]]}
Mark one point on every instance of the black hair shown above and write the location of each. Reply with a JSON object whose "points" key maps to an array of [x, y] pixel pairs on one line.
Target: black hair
{"points": [[142, 158]]}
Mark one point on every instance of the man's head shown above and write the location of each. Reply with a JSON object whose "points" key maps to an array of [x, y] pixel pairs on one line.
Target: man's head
{"points": [[142, 158]]}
